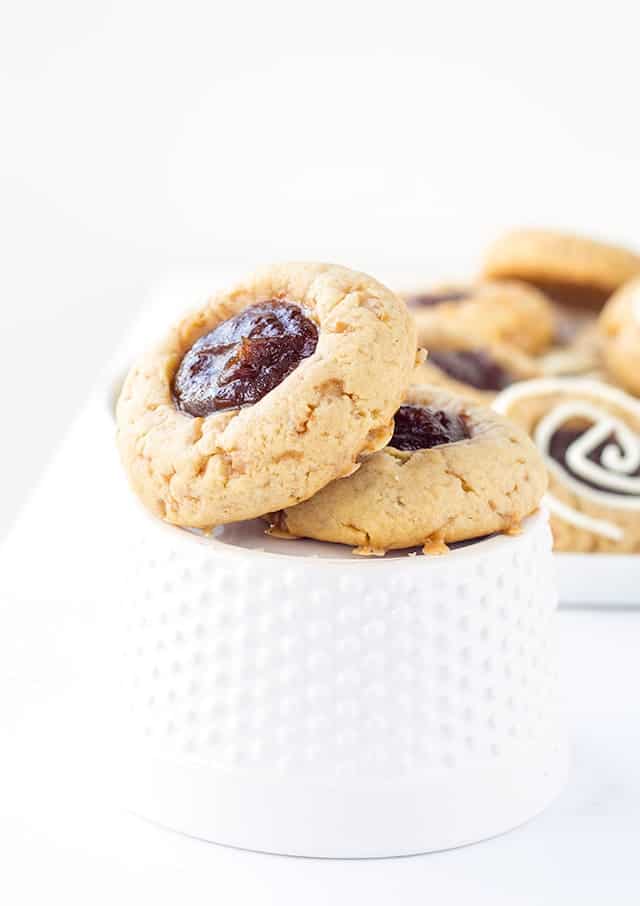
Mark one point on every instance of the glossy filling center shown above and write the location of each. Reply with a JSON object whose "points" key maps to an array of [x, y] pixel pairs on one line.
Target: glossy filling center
{"points": [[562, 440], [425, 300], [420, 428], [241, 360], [472, 366]]}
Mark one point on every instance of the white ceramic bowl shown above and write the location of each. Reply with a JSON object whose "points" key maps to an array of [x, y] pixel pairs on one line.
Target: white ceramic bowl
{"points": [[293, 698]]}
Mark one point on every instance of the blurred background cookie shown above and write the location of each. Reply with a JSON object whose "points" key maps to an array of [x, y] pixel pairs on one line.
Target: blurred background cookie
{"points": [[619, 327], [572, 270], [498, 311], [459, 364], [589, 435], [579, 355]]}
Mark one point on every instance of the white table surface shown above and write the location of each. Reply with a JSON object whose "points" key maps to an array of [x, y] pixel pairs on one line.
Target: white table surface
{"points": [[64, 833]]}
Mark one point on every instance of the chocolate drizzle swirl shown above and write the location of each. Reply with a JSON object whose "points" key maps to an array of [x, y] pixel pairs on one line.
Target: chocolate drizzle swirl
{"points": [[562, 439]]}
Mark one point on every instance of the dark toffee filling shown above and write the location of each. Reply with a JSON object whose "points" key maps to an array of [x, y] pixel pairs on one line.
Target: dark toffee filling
{"points": [[472, 366], [426, 300], [562, 440], [242, 359], [419, 428], [577, 295]]}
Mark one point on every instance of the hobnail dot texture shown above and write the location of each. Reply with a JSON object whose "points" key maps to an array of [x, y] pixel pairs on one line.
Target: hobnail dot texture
{"points": [[318, 668]]}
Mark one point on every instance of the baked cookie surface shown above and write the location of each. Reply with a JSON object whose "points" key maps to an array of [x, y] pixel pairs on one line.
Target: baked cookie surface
{"points": [[452, 471], [497, 311], [620, 335], [266, 394], [570, 269], [589, 435]]}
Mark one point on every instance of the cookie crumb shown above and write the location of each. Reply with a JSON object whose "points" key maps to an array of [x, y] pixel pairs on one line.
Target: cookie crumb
{"points": [[435, 546], [274, 532], [366, 551]]}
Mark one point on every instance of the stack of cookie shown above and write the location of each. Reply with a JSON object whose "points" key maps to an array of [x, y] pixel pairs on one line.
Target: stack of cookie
{"points": [[550, 334], [300, 397]]}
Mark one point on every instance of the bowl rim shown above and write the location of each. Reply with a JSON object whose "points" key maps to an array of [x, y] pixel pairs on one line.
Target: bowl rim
{"points": [[332, 554]]}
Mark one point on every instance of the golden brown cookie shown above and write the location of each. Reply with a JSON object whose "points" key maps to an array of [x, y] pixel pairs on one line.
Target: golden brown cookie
{"points": [[451, 472], [589, 435], [266, 394], [498, 311], [462, 368], [620, 333], [571, 269]]}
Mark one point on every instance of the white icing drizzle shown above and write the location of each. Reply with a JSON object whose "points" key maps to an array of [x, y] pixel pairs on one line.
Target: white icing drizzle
{"points": [[613, 473], [577, 386], [581, 520]]}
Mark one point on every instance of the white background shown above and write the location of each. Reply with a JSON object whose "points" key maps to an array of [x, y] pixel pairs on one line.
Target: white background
{"points": [[141, 140], [144, 138]]}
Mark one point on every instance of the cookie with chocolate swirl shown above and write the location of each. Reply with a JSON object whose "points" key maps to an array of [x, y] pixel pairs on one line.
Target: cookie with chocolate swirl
{"points": [[589, 435]]}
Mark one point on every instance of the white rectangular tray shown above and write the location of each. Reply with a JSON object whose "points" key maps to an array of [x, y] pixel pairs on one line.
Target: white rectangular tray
{"points": [[598, 579]]}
